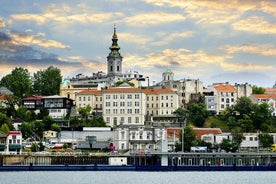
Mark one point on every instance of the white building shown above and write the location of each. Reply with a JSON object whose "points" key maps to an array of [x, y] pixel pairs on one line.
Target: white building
{"points": [[124, 106], [139, 139], [161, 103], [270, 99], [14, 142]]}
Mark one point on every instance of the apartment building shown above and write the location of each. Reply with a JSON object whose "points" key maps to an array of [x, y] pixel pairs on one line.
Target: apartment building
{"points": [[161, 103], [124, 106], [186, 89], [270, 99]]}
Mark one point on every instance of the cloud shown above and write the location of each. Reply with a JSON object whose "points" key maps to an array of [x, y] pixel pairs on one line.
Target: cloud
{"points": [[209, 11], [140, 39], [263, 49], [65, 18], [154, 18], [174, 36], [255, 25], [27, 39], [2, 24]]}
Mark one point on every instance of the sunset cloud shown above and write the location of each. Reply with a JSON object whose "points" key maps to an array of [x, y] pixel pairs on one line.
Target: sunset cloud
{"points": [[255, 25], [27, 39], [144, 19], [263, 49]]}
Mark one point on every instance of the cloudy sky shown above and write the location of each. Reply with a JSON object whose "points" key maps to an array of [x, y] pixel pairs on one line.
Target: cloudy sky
{"points": [[215, 41]]}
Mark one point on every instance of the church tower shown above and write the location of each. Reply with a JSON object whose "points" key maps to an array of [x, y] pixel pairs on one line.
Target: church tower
{"points": [[167, 75], [114, 60]]}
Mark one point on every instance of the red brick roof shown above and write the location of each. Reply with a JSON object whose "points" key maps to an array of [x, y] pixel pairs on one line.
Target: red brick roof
{"points": [[264, 96], [90, 91], [118, 90], [224, 87], [157, 91], [33, 98], [173, 132], [202, 131], [270, 90]]}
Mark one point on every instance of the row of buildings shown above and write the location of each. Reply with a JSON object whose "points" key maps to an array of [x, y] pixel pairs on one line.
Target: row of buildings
{"points": [[139, 114]]}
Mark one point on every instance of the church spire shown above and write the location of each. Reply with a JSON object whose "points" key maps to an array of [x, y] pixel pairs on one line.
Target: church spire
{"points": [[114, 48]]}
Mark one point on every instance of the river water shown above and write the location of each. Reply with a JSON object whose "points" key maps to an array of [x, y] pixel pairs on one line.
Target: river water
{"points": [[130, 177]]}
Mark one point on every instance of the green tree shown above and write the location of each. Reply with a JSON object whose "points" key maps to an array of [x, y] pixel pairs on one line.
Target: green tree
{"points": [[12, 102], [19, 82], [189, 139], [5, 120], [47, 122], [257, 90], [84, 111], [4, 128], [244, 106], [55, 127], [237, 137], [182, 115], [47, 82], [25, 114], [266, 140], [197, 113], [26, 129]]}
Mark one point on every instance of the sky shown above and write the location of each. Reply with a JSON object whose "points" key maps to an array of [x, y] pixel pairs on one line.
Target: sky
{"points": [[211, 40]]}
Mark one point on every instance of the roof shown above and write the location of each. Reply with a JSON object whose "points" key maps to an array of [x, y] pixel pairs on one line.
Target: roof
{"points": [[270, 90], [264, 96], [89, 91], [173, 132], [1, 97], [225, 87], [202, 131], [14, 133], [157, 91], [33, 98], [122, 90]]}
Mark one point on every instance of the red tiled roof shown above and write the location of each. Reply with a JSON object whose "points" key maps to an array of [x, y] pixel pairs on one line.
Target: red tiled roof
{"points": [[34, 98], [157, 91], [202, 131], [264, 96], [14, 132], [90, 91], [225, 87], [173, 132], [116, 90], [270, 90]]}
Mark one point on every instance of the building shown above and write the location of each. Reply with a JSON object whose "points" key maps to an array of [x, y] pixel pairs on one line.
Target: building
{"points": [[161, 104], [270, 99], [100, 79], [124, 106], [14, 142], [58, 106], [219, 96], [187, 89], [139, 139]]}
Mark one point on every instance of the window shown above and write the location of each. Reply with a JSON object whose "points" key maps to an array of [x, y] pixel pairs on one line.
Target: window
{"points": [[137, 111], [122, 146], [122, 120], [107, 97], [129, 119], [136, 104], [107, 111], [152, 98], [122, 96], [129, 104], [137, 96], [88, 98], [107, 104], [79, 98], [222, 99], [129, 111], [140, 135], [133, 135], [108, 119], [167, 98], [114, 96], [129, 96], [227, 100], [84, 98], [136, 119], [162, 97], [115, 111], [115, 104]]}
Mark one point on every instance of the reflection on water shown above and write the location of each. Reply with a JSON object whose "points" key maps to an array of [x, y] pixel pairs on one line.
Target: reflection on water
{"points": [[129, 177]]}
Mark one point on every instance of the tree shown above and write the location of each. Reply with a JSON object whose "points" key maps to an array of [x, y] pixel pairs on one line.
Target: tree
{"points": [[189, 139], [19, 82], [197, 113], [182, 115], [27, 129], [257, 90], [47, 82], [244, 106], [55, 127], [4, 128], [25, 114], [84, 111], [47, 122], [266, 140]]}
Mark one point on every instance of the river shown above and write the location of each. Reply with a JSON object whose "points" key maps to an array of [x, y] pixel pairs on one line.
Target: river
{"points": [[130, 177]]}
